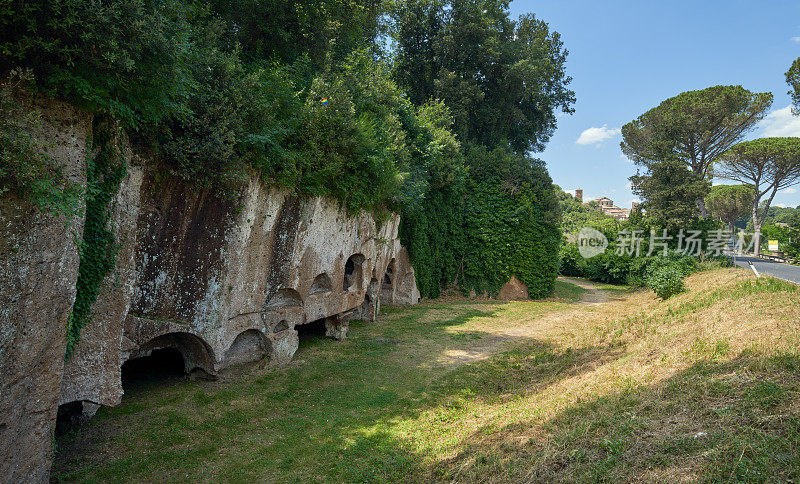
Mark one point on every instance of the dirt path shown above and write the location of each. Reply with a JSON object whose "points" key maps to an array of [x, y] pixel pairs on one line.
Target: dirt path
{"points": [[594, 294], [539, 328]]}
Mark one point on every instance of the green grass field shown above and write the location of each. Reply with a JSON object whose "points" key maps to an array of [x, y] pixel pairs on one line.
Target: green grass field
{"points": [[702, 387]]}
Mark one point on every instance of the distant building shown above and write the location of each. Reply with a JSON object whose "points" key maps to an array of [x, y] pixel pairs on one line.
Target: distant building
{"points": [[577, 194], [608, 208], [605, 203]]}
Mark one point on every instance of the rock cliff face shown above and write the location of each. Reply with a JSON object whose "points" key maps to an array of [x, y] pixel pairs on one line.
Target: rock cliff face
{"points": [[229, 280], [221, 280], [38, 270]]}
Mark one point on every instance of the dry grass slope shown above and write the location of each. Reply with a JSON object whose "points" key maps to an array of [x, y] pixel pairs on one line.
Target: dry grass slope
{"points": [[701, 387]]}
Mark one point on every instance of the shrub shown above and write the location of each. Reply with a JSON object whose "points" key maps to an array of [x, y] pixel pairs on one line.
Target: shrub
{"points": [[609, 267], [572, 262], [642, 268], [666, 281]]}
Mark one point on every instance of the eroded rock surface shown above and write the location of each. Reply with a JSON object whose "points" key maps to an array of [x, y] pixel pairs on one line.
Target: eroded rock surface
{"points": [[38, 270], [222, 280], [228, 280], [513, 290]]}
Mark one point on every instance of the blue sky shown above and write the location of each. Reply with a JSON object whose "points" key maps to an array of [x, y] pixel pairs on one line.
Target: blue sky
{"points": [[628, 56]]}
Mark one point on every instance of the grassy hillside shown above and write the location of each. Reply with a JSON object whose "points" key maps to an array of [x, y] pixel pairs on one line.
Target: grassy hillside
{"points": [[616, 386]]}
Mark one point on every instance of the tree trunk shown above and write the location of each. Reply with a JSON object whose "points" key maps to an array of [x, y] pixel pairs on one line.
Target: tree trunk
{"points": [[733, 239], [701, 208], [756, 226], [757, 240]]}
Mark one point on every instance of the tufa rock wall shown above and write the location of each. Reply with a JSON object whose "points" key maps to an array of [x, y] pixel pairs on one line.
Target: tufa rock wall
{"points": [[222, 280], [226, 281], [38, 270]]}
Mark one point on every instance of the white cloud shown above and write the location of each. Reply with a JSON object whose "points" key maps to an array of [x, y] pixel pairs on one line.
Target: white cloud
{"points": [[629, 185], [626, 158], [795, 39], [790, 191], [781, 122], [630, 203], [781, 205], [593, 136]]}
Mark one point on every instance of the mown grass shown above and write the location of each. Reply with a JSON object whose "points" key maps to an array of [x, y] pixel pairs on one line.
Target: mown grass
{"points": [[703, 387]]}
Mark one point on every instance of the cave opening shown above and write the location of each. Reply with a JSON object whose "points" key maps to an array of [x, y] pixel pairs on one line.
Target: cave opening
{"points": [[161, 366], [353, 273], [68, 417], [311, 331]]}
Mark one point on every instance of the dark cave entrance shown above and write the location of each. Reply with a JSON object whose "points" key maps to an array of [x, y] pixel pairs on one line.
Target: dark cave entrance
{"points": [[162, 365], [310, 332], [353, 273], [69, 416]]}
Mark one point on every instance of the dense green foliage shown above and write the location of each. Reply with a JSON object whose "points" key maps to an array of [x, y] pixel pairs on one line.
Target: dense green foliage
{"points": [[669, 193], [783, 215], [663, 273], [219, 90], [666, 282], [788, 238], [510, 223], [429, 108], [576, 215], [765, 165], [490, 211], [678, 142], [730, 203], [502, 79]]}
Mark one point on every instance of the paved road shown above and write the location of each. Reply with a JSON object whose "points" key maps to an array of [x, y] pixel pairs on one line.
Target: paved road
{"points": [[776, 269]]}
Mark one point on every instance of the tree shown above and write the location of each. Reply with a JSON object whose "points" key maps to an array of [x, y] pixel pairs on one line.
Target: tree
{"points": [[730, 203], [694, 128], [502, 80], [576, 215], [316, 32], [417, 25], [793, 79], [669, 191], [765, 165]]}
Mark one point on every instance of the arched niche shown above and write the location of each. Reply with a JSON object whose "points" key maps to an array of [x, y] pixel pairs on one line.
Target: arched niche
{"points": [[249, 345], [388, 277], [284, 298], [168, 356], [321, 285], [353, 273]]}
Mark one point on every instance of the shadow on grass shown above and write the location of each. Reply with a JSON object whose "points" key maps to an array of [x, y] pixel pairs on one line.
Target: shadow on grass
{"points": [[737, 420], [330, 416]]}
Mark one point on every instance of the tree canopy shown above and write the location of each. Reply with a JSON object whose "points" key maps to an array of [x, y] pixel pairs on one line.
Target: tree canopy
{"points": [[765, 165], [693, 129], [793, 79], [307, 95], [730, 203], [502, 79]]}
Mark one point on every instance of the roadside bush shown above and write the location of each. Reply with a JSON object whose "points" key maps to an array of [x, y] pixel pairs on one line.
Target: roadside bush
{"points": [[642, 268], [666, 281]]}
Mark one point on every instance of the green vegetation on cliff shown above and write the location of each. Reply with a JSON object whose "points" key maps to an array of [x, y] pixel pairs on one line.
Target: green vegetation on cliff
{"points": [[427, 108]]}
